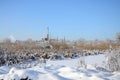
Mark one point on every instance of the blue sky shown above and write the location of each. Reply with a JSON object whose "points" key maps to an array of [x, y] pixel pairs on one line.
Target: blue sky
{"points": [[73, 19]]}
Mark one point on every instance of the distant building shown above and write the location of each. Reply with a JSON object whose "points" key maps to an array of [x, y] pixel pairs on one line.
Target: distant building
{"points": [[44, 43]]}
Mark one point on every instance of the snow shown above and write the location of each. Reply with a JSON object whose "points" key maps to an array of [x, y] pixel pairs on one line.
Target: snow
{"points": [[60, 70], [91, 60]]}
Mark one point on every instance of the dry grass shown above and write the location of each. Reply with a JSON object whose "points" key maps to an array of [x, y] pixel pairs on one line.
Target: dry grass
{"points": [[62, 46]]}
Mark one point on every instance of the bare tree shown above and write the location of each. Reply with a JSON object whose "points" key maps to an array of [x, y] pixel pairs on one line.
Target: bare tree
{"points": [[118, 37]]}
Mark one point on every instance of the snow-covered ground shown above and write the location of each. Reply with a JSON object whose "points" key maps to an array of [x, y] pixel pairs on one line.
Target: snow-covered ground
{"points": [[61, 70]]}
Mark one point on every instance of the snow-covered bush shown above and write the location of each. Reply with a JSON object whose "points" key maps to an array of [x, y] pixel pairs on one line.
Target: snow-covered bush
{"points": [[81, 63], [113, 60]]}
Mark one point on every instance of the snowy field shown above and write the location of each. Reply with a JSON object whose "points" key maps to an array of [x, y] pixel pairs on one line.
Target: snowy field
{"points": [[60, 70]]}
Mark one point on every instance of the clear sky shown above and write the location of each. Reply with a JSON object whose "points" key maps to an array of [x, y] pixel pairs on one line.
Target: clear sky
{"points": [[73, 19]]}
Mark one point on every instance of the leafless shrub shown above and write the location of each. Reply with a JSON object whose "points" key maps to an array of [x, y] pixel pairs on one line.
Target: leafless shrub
{"points": [[113, 60]]}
